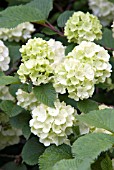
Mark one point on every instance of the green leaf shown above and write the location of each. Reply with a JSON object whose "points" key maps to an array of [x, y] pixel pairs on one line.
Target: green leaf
{"points": [[91, 145], [45, 94], [10, 108], [107, 39], [54, 154], [35, 11], [87, 105], [72, 164], [14, 166], [62, 19], [5, 80], [99, 118], [106, 163], [31, 151], [69, 48], [45, 6], [47, 31], [21, 121]]}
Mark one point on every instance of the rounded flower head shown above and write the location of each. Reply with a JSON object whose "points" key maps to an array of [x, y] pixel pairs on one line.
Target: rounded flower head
{"points": [[8, 134], [21, 32], [5, 94], [103, 9], [4, 57], [96, 56], [39, 59], [75, 77], [26, 100], [81, 26], [53, 125]]}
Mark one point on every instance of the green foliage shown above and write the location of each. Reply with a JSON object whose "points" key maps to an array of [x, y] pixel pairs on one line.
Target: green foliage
{"points": [[14, 166], [99, 118], [54, 154], [87, 105], [31, 12], [107, 39], [21, 121], [72, 164], [45, 94], [106, 163], [62, 19], [5, 80], [91, 145], [69, 48], [10, 108], [31, 151]]}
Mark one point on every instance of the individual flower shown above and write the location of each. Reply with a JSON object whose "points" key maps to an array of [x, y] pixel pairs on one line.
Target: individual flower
{"points": [[75, 77], [8, 134], [26, 100], [5, 94], [103, 9], [21, 32], [82, 27], [4, 57], [53, 125], [39, 59], [96, 56]]}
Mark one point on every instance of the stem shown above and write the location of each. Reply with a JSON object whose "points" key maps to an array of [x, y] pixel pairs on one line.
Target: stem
{"points": [[110, 49], [48, 25]]}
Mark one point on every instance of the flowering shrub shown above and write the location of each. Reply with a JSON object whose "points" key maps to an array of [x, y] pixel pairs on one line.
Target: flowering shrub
{"points": [[56, 85]]}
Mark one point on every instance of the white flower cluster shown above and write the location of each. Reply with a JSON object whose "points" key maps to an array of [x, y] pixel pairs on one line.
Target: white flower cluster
{"points": [[39, 60], [53, 125], [103, 9], [4, 57], [82, 27], [26, 100], [21, 32], [87, 65], [8, 134], [5, 94], [84, 129]]}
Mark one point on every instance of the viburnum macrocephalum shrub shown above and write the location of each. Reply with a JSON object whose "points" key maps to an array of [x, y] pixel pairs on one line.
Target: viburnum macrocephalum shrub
{"points": [[56, 85]]}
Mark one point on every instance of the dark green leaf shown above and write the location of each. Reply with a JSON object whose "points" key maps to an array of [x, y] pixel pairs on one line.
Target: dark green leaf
{"points": [[45, 94], [21, 121], [106, 163], [47, 31], [10, 108], [54, 154], [107, 39], [63, 18], [31, 151], [87, 105], [14, 166], [69, 48]]}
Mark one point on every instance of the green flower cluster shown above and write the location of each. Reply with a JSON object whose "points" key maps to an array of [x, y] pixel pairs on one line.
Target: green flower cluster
{"points": [[53, 125], [21, 32], [8, 134], [39, 59], [82, 27], [113, 29], [87, 65], [103, 9]]}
